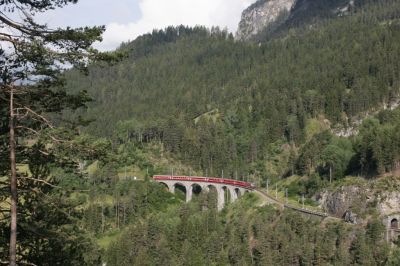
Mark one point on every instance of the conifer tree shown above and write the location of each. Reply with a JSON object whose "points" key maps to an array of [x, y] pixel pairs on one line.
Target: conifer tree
{"points": [[32, 59]]}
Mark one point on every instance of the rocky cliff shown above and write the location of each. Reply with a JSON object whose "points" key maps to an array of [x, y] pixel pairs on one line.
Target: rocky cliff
{"points": [[358, 201], [269, 16], [262, 14]]}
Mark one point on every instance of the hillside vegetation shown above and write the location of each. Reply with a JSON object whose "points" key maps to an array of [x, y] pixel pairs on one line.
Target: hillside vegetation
{"points": [[220, 105]]}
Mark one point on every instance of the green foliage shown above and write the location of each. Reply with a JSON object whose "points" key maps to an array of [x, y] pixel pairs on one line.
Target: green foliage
{"points": [[33, 57], [378, 143], [114, 204], [244, 235], [310, 154], [49, 231], [336, 157], [394, 258], [307, 187], [217, 104], [374, 151]]}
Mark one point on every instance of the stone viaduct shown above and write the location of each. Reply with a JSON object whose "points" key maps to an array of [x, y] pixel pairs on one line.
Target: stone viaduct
{"points": [[233, 187]]}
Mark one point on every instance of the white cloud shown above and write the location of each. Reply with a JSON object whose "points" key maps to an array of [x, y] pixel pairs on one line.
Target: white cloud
{"points": [[158, 14]]}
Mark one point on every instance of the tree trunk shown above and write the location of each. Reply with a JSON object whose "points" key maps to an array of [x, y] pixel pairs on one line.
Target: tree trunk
{"points": [[124, 212], [102, 218], [13, 185], [117, 213]]}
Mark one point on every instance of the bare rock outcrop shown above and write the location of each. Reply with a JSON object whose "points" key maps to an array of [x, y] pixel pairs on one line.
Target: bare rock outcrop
{"points": [[260, 15], [353, 202], [266, 16]]}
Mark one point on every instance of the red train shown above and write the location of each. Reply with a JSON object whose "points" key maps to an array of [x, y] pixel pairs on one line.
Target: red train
{"points": [[216, 180]]}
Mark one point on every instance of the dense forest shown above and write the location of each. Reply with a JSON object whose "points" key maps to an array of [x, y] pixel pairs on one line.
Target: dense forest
{"points": [[244, 235], [315, 102], [217, 104]]}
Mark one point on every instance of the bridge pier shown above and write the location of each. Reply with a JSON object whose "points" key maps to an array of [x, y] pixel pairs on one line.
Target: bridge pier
{"points": [[189, 192], [221, 198], [234, 195], [171, 188]]}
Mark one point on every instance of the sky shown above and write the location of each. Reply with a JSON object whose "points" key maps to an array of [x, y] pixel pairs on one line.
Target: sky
{"points": [[127, 19]]}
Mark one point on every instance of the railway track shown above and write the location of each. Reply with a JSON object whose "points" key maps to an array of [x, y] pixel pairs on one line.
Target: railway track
{"points": [[283, 205]]}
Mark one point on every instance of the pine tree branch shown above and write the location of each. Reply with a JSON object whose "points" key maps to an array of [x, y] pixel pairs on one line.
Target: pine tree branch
{"points": [[40, 180], [8, 39], [21, 116], [19, 262], [38, 133], [22, 28], [48, 123]]}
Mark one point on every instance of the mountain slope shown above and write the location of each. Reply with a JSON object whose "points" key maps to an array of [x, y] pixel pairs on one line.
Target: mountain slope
{"points": [[257, 94]]}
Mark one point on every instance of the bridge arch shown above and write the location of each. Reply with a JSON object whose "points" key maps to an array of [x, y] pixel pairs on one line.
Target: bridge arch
{"points": [[178, 186], [394, 224], [171, 188], [164, 184], [211, 186], [238, 192], [196, 188]]}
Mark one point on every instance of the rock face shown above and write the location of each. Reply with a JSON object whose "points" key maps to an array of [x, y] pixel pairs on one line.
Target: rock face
{"points": [[389, 203], [345, 202], [352, 202], [267, 16], [350, 217], [260, 15]]}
